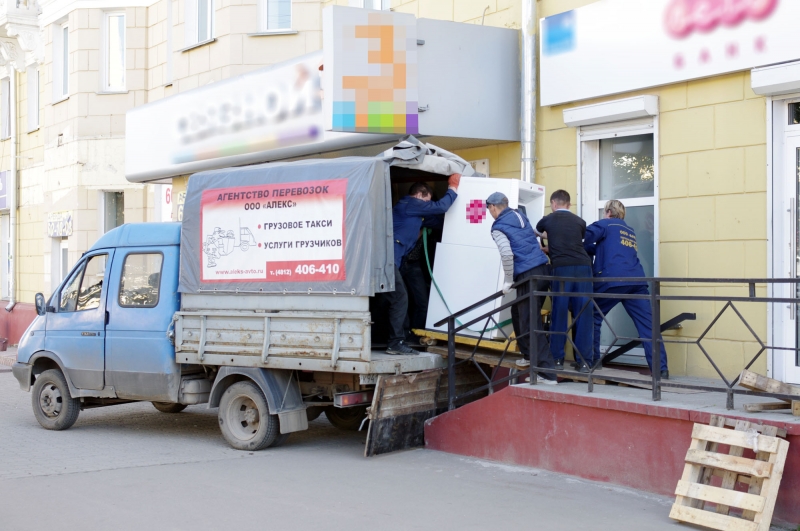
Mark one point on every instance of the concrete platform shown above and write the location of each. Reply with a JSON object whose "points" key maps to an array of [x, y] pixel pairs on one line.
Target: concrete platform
{"points": [[614, 434]]}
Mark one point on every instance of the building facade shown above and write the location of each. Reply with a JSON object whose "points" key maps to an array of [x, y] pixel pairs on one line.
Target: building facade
{"points": [[697, 148]]}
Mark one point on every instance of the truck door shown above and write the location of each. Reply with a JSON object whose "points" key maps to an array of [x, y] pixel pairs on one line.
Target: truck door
{"points": [[140, 360], [76, 328]]}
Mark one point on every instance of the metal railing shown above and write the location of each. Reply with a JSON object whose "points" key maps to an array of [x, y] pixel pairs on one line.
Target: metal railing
{"points": [[655, 297]]}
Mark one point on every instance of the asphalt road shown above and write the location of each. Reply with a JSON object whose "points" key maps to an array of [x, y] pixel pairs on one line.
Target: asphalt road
{"points": [[132, 468]]}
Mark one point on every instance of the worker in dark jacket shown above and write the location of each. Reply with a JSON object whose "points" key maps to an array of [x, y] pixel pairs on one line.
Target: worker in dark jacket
{"points": [[408, 216], [564, 232], [613, 244], [522, 258]]}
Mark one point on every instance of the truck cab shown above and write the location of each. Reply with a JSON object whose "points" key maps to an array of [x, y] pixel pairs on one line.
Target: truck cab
{"points": [[105, 326]]}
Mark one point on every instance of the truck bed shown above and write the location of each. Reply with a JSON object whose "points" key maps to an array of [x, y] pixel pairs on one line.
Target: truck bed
{"points": [[332, 341]]}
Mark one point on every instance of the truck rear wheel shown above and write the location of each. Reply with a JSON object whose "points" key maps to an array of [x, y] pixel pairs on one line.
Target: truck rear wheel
{"points": [[244, 417], [53, 406], [346, 418], [169, 407]]}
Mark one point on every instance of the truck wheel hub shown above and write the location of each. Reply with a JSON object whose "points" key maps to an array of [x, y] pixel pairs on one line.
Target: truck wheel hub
{"points": [[50, 401]]}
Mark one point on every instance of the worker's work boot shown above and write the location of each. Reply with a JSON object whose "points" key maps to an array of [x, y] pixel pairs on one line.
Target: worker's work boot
{"points": [[560, 364], [523, 363], [401, 349], [665, 375]]}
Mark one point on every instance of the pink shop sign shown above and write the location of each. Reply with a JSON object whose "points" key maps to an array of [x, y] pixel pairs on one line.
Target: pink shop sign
{"points": [[683, 17]]}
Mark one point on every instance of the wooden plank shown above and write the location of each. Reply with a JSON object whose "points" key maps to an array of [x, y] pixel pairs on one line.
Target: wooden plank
{"points": [[758, 382], [717, 495], [766, 406], [736, 450], [692, 474], [490, 359], [733, 438], [796, 408], [770, 486], [719, 422], [758, 427], [708, 519], [740, 465], [491, 344], [755, 483]]}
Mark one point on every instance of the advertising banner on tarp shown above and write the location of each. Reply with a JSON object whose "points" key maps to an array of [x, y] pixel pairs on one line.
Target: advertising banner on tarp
{"points": [[281, 232], [318, 226]]}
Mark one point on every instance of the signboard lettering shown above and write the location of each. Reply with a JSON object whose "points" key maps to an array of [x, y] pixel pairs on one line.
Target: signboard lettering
{"points": [[274, 232], [59, 224]]}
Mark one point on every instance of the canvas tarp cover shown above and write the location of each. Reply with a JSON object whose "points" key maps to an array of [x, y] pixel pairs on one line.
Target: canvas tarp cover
{"points": [[318, 225]]}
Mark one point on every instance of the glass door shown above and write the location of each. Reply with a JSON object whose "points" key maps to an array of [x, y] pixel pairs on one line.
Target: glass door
{"points": [[622, 166], [789, 314]]}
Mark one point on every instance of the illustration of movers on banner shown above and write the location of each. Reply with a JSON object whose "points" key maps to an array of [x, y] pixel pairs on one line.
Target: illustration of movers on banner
{"points": [[297, 230], [222, 243]]}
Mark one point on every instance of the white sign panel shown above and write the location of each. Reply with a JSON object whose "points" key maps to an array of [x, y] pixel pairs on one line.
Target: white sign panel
{"points": [[166, 201], [59, 224], [273, 108], [617, 46], [274, 233]]}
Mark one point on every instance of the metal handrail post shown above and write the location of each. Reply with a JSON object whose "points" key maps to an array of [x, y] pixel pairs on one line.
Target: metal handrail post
{"points": [[533, 341], [451, 363], [655, 330]]}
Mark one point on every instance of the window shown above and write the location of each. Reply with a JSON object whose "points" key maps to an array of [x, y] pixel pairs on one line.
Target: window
{"points": [[274, 15], [5, 108], [371, 4], [83, 289], [33, 98], [114, 52], [5, 256], [141, 279], [63, 249], [60, 62], [199, 27], [619, 161], [168, 73], [113, 210]]}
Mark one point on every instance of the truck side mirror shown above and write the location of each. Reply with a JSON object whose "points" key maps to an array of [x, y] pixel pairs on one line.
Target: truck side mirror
{"points": [[40, 304]]}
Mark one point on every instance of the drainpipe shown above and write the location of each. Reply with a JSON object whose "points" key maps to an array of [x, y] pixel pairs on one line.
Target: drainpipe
{"points": [[528, 92], [12, 187]]}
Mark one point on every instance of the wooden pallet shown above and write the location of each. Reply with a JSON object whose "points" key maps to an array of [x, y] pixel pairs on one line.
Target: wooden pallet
{"points": [[757, 382], [762, 475]]}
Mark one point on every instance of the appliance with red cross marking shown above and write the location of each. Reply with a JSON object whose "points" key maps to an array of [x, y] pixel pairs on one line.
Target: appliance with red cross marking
{"points": [[468, 267]]}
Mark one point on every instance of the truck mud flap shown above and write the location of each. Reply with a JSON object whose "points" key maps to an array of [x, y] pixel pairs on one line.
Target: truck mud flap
{"points": [[402, 404]]}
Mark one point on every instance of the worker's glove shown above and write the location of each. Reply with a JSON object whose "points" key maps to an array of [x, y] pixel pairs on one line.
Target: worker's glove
{"points": [[454, 181], [507, 287]]}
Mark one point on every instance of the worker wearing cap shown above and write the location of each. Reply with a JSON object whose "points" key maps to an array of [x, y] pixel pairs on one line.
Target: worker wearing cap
{"points": [[612, 242], [522, 258], [408, 217]]}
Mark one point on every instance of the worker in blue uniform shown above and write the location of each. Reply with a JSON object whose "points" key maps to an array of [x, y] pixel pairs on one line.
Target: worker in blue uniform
{"points": [[612, 242], [522, 258], [408, 217]]}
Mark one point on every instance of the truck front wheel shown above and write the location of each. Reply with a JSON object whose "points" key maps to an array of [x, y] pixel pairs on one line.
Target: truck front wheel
{"points": [[53, 406], [244, 418], [346, 418], [169, 407]]}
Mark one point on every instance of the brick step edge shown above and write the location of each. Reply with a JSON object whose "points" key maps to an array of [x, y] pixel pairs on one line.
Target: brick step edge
{"points": [[8, 359]]}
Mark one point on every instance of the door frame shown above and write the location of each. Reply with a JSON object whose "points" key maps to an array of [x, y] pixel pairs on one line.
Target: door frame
{"points": [[590, 187], [781, 258]]}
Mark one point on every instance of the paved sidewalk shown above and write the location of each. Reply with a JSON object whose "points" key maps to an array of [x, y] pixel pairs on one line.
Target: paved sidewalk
{"points": [[131, 467], [7, 359]]}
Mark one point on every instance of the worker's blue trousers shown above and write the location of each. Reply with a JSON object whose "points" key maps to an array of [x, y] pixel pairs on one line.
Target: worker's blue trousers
{"points": [[639, 310], [559, 316]]}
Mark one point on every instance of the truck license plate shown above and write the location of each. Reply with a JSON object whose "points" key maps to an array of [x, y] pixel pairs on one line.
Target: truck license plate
{"points": [[368, 379]]}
